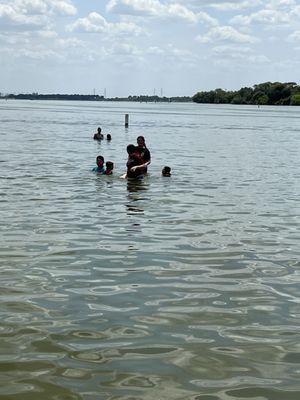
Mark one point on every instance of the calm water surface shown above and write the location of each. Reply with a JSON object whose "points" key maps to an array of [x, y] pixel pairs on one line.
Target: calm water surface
{"points": [[172, 288]]}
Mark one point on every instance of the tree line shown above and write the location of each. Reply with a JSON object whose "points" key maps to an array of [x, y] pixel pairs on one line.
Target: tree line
{"points": [[86, 97], [268, 93]]}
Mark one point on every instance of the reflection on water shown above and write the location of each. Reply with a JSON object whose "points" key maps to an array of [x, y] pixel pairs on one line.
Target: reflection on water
{"points": [[166, 288], [135, 198], [135, 185]]}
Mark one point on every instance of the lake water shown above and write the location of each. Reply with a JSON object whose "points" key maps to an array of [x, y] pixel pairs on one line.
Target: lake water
{"points": [[171, 288]]}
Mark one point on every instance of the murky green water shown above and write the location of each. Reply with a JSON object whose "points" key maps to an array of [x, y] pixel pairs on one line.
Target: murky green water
{"points": [[173, 288]]}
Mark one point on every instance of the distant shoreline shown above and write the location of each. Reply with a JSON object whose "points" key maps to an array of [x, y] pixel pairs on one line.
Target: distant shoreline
{"points": [[268, 93], [79, 97]]}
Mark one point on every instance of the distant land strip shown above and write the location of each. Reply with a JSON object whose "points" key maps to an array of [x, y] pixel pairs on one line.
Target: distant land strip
{"points": [[267, 93], [87, 97]]}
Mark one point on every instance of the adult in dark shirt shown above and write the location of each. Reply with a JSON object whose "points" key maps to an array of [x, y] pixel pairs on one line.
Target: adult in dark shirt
{"points": [[143, 151]]}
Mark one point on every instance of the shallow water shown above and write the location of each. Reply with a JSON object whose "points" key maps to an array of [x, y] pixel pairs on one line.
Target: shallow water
{"points": [[171, 288]]}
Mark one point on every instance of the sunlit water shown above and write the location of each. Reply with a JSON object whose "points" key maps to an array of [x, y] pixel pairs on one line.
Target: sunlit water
{"points": [[171, 288]]}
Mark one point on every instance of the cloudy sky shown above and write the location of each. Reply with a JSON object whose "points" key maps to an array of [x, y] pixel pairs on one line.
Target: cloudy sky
{"points": [[144, 46]]}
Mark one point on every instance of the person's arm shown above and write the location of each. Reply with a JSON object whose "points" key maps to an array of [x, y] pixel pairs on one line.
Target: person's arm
{"points": [[141, 166]]}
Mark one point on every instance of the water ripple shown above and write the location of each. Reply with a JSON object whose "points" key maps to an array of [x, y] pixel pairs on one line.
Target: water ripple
{"points": [[180, 288]]}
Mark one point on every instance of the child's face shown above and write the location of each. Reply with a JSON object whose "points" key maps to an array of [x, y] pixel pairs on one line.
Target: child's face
{"points": [[99, 162]]}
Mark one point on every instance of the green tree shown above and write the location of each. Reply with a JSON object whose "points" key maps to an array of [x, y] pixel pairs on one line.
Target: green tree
{"points": [[295, 99]]}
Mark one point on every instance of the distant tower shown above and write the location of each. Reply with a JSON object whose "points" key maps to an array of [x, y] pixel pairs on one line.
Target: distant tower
{"points": [[105, 93], [161, 92], [154, 92]]}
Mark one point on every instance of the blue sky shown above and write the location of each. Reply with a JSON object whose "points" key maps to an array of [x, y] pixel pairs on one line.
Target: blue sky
{"points": [[140, 46]]}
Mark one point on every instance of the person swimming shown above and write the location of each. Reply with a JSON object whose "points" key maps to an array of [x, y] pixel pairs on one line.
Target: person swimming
{"points": [[109, 168], [166, 171], [100, 165]]}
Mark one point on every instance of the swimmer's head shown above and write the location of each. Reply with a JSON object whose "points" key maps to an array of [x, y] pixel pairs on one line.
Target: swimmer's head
{"points": [[140, 140], [100, 161], [109, 166], [130, 149], [108, 136], [99, 130], [166, 171]]}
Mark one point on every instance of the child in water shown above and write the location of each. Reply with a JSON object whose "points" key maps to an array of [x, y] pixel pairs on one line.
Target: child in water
{"points": [[166, 171], [108, 137], [109, 168], [135, 165], [100, 165]]}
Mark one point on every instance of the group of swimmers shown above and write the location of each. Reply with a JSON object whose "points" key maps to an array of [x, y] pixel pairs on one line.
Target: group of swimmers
{"points": [[139, 158], [99, 135]]}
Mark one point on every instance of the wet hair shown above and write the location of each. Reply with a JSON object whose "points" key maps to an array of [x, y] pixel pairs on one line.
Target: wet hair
{"points": [[99, 130], [100, 158], [109, 164], [140, 138], [108, 136], [166, 170], [131, 148]]}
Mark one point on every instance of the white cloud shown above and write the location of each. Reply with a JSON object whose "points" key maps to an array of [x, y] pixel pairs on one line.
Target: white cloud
{"points": [[264, 17], [47, 34], [96, 23], [37, 53], [62, 7], [294, 37], [225, 34], [235, 5], [32, 14], [295, 12], [136, 7], [11, 17], [280, 4], [223, 5], [154, 50], [238, 53], [259, 59], [30, 7], [124, 49], [228, 51], [154, 8]]}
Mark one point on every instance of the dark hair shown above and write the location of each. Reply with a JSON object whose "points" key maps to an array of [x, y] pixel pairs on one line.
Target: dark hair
{"points": [[143, 139], [131, 148], [166, 171], [100, 158], [108, 136], [109, 164], [99, 129]]}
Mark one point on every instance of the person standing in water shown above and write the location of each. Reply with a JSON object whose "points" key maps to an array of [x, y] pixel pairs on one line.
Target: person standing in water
{"points": [[135, 165], [143, 151], [98, 135]]}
